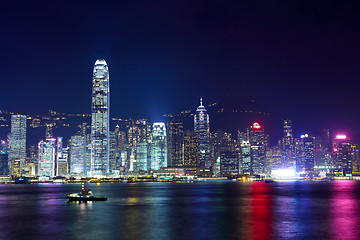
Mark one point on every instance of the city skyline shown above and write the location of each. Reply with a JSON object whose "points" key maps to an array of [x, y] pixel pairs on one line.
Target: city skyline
{"points": [[164, 150]]}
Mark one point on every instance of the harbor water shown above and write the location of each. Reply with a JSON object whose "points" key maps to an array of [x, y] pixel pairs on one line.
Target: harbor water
{"points": [[204, 210]]}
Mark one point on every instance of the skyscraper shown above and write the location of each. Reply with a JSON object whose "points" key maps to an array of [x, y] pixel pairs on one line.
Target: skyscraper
{"points": [[305, 153], [139, 131], [175, 143], [229, 163], [288, 139], [202, 127], [246, 158], [77, 155], [100, 119], [191, 149], [4, 169], [142, 157], [309, 153], [47, 156], [112, 151], [17, 143], [258, 151], [343, 155], [158, 146], [288, 144]]}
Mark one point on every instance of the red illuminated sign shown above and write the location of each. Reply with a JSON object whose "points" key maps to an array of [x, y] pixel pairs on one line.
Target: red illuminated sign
{"points": [[256, 126]]}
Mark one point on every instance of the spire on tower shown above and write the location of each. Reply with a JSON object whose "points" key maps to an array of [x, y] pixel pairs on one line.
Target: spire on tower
{"points": [[201, 101]]}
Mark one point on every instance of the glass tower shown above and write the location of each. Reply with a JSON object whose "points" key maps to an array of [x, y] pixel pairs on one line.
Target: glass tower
{"points": [[47, 153], [18, 143], [158, 146], [100, 120], [258, 151], [175, 143], [77, 155], [202, 127]]}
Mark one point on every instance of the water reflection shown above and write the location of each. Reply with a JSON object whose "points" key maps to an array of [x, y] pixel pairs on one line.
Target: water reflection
{"points": [[345, 210], [261, 218], [227, 210]]}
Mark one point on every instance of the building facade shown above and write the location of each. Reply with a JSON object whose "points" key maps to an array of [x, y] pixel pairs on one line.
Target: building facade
{"points": [[175, 143], [17, 144], [191, 149], [258, 151], [342, 155], [100, 119], [229, 164], [202, 127], [47, 156], [158, 146], [78, 155]]}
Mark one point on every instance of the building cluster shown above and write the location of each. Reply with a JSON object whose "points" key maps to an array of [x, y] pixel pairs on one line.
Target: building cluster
{"points": [[143, 148]]}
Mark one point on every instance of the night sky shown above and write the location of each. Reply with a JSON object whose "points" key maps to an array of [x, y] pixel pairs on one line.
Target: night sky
{"points": [[299, 58]]}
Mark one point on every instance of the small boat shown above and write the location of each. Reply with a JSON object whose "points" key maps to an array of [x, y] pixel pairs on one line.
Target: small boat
{"points": [[269, 181], [21, 180], [85, 196]]}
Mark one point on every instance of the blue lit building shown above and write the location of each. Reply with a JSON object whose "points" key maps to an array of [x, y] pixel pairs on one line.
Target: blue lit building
{"points": [[246, 158], [47, 156], [158, 146], [18, 144], [78, 155], [142, 156], [100, 120]]}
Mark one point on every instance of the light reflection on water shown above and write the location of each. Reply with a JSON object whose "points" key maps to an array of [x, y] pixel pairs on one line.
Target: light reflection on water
{"points": [[285, 210], [345, 210]]}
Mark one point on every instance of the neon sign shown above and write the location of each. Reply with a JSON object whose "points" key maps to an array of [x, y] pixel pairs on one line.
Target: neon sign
{"points": [[340, 137]]}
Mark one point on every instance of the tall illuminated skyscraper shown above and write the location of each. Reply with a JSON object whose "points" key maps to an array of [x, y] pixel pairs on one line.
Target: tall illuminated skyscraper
{"points": [[17, 144], [288, 139], [158, 146], [78, 155], [202, 127], [246, 158], [342, 155], [47, 156], [258, 151], [100, 120], [175, 143], [305, 153]]}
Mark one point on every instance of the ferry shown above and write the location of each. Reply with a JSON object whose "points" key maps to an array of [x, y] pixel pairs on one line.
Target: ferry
{"points": [[85, 196]]}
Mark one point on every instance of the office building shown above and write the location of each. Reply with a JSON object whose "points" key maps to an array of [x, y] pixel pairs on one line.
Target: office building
{"points": [[175, 143], [258, 151], [100, 119], [142, 157], [47, 156], [158, 146], [342, 155], [113, 150], [78, 155], [191, 149], [246, 158], [4, 163], [229, 164], [18, 144], [202, 127]]}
